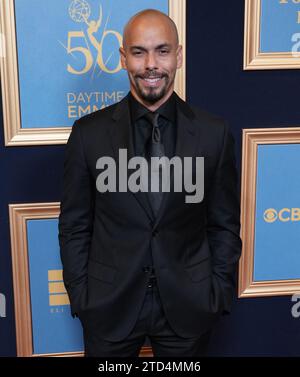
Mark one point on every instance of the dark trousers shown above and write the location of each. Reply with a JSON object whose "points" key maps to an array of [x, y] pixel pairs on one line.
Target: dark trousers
{"points": [[151, 322]]}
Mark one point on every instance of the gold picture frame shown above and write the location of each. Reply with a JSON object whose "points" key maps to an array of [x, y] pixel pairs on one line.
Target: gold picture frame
{"points": [[254, 59], [252, 138], [14, 134], [18, 215]]}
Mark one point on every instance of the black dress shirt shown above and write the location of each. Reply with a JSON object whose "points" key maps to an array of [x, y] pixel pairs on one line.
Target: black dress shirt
{"points": [[142, 129]]}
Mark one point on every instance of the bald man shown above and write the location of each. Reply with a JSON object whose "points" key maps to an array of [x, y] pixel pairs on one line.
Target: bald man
{"points": [[139, 260]]}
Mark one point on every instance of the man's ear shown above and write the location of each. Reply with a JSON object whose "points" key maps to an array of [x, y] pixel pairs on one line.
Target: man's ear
{"points": [[123, 57], [179, 56]]}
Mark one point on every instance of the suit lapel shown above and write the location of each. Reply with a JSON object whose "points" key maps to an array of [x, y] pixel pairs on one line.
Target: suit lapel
{"points": [[121, 138], [187, 145]]}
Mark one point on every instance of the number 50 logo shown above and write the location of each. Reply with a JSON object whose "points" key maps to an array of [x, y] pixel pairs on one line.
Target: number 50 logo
{"points": [[80, 11]]}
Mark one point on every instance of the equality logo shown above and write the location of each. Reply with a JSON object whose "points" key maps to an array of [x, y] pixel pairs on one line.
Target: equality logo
{"points": [[284, 215], [57, 292]]}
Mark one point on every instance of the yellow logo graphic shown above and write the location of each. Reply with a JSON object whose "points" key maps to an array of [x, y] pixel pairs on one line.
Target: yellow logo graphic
{"points": [[78, 43], [283, 215], [92, 49], [57, 293], [270, 215]]}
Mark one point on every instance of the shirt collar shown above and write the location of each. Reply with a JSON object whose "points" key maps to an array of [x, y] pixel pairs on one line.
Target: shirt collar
{"points": [[167, 109]]}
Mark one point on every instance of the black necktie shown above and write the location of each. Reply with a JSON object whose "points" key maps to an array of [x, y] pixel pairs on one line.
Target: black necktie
{"points": [[154, 148]]}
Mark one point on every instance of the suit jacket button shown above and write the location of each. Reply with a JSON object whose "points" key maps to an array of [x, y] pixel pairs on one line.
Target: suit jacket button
{"points": [[154, 233]]}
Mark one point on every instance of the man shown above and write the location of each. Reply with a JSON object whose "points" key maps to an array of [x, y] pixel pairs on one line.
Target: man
{"points": [[149, 263]]}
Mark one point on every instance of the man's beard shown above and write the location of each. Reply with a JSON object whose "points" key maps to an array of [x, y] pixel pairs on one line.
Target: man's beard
{"points": [[152, 95]]}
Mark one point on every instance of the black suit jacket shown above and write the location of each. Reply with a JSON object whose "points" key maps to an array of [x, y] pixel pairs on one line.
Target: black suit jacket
{"points": [[104, 236]]}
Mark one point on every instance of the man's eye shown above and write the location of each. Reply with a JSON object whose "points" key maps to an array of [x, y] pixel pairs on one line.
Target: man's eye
{"points": [[164, 52], [137, 52]]}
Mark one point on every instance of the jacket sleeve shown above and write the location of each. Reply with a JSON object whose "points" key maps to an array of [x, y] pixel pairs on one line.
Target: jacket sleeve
{"points": [[223, 223], [76, 220]]}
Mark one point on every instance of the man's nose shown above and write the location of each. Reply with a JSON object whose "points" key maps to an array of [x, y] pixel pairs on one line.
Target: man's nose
{"points": [[151, 61]]}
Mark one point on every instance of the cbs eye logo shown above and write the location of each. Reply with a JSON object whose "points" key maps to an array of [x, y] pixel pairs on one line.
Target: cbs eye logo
{"points": [[283, 215], [270, 215]]}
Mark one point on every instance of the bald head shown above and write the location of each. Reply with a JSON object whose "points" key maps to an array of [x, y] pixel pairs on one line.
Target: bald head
{"points": [[149, 18], [151, 55]]}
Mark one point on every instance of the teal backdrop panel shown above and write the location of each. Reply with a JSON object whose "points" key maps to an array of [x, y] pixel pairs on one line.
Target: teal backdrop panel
{"points": [[278, 23], [277, 224], [68, 57], [54, 330]]}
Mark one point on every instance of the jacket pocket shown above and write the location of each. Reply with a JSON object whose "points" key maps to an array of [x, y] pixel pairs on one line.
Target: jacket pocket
{"points": [[199, 271], [101, 271]]}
